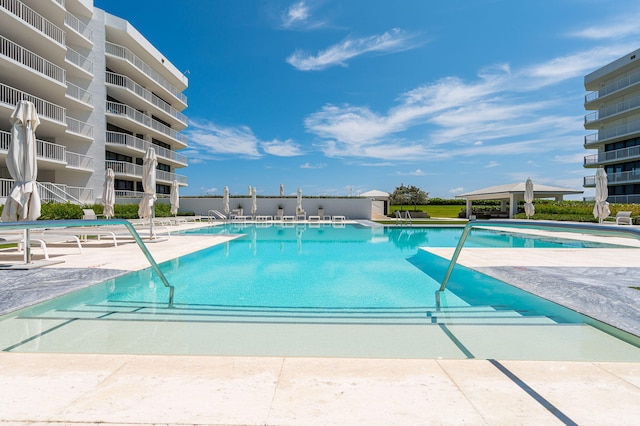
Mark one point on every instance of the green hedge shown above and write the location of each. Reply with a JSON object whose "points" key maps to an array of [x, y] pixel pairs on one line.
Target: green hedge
{"points": [[63, 211]]}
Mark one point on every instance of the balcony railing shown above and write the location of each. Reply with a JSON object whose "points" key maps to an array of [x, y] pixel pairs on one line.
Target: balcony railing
{"points": [[121, 193], [79, 93], [124, 81], [145, 120], [55, 192], [31, 60], [81, 61], [79, 161], [79, 127], [134, 170], [11, 97], [142, 145], [78, 26], [615, 178], [612, 156], [613, 87], [124, 53], [614, 132], [45, 150], [612, 110], [34, 19], [624, 199]]}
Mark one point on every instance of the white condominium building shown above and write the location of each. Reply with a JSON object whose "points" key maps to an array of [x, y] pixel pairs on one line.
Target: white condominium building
{"points": [[614, 98], [103, 93]]}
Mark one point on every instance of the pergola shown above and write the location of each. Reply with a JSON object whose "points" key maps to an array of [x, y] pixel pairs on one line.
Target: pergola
{"points": [[513, 193]]}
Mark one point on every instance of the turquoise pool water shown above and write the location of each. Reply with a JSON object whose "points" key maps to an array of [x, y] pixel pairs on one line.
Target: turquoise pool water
{"points": [[319, 291]]}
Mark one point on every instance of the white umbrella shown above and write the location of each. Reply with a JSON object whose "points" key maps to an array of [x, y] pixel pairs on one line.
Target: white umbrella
{"points": [[175, 197], [601, 209], [249, 188], [281, 190], [299, 206], [529, 209], [23, 202], [254, 202], [145, 209], [225, 200], [108, 193]]}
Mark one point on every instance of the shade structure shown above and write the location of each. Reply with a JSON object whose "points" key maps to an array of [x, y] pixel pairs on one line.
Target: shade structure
{"points": [[225, 200], [175, 197], [529, 209], [254, 202], [601, 209], [146, 207], [299, 208], [109, 193], [23, 202]]}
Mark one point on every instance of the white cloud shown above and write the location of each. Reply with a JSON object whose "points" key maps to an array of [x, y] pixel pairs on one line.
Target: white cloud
{"points": [[278, 148], [298, 13], [313, 166], [389, 42], [416, 172], [616, 28], [458, 190], [492, 164]]}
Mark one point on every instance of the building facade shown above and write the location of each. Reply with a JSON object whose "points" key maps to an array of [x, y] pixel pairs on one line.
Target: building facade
{"points": [[103, 93], [614, 99]]}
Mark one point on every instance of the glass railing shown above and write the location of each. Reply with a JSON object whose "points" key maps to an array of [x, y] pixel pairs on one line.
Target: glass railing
{"points": [[614, 132], [609, 156], [613, 87], [612, 110]]}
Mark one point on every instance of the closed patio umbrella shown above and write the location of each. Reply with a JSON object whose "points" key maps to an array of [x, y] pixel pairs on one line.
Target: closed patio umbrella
{"points": [[23, 202], [601, 209], [108, 193], [254, 202], [225, 201], [175, 197], [299, 209], [281, 190], [529, 209], [146, 207]]}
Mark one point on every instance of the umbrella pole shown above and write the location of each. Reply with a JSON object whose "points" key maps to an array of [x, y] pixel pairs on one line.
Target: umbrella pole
{"points": [[27, 246], [153, 214]]}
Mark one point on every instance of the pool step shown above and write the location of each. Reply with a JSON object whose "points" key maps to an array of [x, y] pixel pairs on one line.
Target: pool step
{"points": [[139, 311]]}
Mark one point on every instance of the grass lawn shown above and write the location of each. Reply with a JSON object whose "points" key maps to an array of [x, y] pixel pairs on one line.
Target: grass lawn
{"points": [[434, 210]]}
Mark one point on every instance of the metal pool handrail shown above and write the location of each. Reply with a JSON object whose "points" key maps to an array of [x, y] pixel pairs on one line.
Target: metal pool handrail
{"points": [[584, 228], [39, 224]]}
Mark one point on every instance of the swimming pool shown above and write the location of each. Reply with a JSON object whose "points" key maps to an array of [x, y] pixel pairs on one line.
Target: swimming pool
{"points": [[299, 290]]}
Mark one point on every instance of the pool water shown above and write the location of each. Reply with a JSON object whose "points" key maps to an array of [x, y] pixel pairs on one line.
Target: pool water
{"points": [[320, 291]]}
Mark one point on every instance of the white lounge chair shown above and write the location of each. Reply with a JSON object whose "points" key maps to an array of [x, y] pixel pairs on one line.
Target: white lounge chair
{"points": [[623, 218], [37, 237]]}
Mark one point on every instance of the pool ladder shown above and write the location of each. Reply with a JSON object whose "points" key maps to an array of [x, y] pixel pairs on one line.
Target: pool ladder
{"points": [[406, 220]]}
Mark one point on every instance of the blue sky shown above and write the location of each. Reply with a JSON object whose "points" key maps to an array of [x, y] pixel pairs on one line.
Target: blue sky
{"points": [[342, 97]]}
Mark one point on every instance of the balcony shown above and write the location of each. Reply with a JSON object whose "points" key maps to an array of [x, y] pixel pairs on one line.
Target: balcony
{"points": [[591, 120], [618, 85], [56, 192], [617, 156], [79, 94], [34, 20], [140, 145], [125, 111], [79, 128], [82, 62], [125, 54], [79, 161], [44, 150], [614, 133], [32, 61], [625, 199], [80, 28], [124, 169], [10, 97], [615, 178], [132, 87]]}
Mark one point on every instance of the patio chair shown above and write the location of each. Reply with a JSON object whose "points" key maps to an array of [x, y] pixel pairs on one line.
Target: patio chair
{"points": [[623, 218]]}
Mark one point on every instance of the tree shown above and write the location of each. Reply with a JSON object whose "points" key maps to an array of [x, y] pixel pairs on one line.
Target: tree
{"points": [[409, 195]]}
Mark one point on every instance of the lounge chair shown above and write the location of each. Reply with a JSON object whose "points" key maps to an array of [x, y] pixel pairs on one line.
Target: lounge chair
{"points": [[37, 237], [623, 218]]}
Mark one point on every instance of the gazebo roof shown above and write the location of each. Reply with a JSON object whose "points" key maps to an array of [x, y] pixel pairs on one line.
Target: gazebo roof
{"points": [[375, 194], [506, 191]]}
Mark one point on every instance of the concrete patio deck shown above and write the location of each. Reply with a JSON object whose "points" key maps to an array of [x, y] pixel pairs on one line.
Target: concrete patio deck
{"points": [[156, 389]]}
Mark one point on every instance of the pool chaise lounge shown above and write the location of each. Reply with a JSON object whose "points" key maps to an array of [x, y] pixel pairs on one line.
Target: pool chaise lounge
{"points": [[41, 239]]}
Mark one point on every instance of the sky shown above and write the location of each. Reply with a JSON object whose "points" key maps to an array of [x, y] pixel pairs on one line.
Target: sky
{"points": [[343, 97]]}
